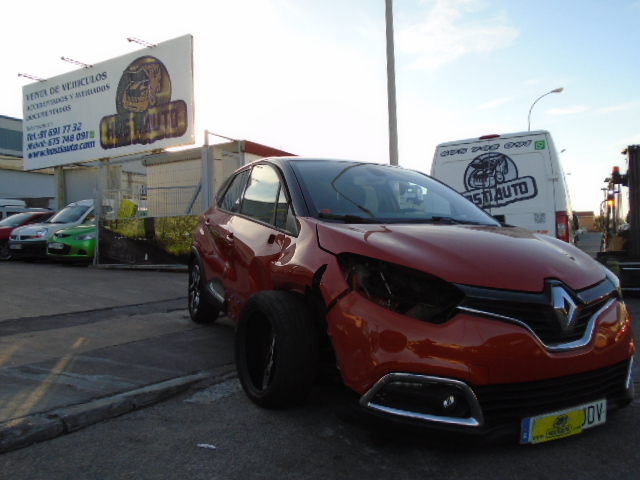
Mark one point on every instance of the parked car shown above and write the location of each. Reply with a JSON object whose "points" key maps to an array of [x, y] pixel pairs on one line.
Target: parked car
{"points": [[12, 222], [431, 310], [73, 244], [30, 241]]}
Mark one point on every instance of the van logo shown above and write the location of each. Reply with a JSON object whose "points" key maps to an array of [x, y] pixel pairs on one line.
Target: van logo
{"points": [[492, 180]]}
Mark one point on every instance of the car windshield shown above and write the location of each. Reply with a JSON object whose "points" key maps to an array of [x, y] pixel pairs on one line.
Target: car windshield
{"points": [[70, 214], [16, 220], [370, 193]]}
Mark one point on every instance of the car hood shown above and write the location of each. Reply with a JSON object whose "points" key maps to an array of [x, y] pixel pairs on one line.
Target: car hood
{"points": [[33, 227], [509, 258], [77, 230]]}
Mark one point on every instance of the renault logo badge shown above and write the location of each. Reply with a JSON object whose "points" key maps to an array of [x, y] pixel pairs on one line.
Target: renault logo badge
{"points": [[564, 306]]}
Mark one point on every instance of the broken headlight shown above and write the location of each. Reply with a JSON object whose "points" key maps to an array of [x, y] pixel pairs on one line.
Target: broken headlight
{"points": [[401, 289]]}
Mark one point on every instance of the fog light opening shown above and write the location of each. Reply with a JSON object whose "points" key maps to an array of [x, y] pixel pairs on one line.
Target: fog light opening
{"points": [[449, 402], [453, 405], [422, 397]]}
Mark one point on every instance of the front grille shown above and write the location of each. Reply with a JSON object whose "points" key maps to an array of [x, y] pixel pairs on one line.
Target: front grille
{"points": [[65, 250], [502, 404], [541, 319], [538, 313]]}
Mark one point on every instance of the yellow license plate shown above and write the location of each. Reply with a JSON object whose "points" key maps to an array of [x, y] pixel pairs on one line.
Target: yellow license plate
{"points": [[564, 423]]}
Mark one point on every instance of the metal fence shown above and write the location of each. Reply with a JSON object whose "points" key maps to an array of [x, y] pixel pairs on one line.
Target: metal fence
{"points": [[150, 204]]}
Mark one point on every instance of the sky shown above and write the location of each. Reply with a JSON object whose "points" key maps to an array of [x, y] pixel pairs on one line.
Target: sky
{"points": [[310, 77]]}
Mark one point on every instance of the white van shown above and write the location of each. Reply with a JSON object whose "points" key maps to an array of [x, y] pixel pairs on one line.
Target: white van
{"points": [[11, 206], [516, 177], [12, 202]]}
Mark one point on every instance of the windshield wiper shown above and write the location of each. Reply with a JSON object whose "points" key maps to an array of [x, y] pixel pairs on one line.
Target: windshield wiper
{"points": [[348, 218], [456, 221], [444, 220]]}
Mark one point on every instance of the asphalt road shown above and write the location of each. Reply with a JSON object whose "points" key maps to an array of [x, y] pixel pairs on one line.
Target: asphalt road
{"points": [[79, 345], [216, 433], [118, 334]]}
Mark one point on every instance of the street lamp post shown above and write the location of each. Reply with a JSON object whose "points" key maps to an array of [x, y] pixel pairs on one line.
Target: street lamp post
{"points": [[557, 90]]}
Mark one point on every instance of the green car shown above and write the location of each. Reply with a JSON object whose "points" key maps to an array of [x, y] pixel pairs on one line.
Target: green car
{"points": [[77, 244]]}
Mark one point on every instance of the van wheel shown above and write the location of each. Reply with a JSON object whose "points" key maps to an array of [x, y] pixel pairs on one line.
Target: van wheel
{"points": [[199, 310], [276, 349]]}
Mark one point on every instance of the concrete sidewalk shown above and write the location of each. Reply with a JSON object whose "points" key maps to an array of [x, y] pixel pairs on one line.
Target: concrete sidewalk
{"points": [[116, 342]]}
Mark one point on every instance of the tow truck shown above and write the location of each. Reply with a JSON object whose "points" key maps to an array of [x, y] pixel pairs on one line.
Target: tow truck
{"points": [[620, 211]]}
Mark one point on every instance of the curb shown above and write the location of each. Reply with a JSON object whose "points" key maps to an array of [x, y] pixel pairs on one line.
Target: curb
{"points": [[25, 431]]}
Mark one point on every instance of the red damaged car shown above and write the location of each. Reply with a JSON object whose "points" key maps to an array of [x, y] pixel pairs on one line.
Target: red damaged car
{"points": [[431, 310]]}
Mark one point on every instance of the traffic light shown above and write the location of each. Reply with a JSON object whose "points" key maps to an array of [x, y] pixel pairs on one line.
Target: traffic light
{"points": [[617, 178]]}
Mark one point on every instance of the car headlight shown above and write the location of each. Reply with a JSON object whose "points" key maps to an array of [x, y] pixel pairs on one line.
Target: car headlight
{"points": [[613, 279], [86, 236], [40, 233], [400, 289]]}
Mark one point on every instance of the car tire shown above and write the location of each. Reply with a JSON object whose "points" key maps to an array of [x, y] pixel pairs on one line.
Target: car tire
{"points": [[199, 310], [5, 252], [276, 349]]}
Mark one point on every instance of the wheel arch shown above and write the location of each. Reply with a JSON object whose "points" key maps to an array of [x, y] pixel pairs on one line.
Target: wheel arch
{"points": [[218, 300]]}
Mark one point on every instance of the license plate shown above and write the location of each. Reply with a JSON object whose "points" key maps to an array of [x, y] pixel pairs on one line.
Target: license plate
{"points": [[564, 423], [15, 246], [56, 246]]}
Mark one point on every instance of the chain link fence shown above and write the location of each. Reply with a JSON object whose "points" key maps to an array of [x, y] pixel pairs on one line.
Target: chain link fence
{"points": [[151, 205]]}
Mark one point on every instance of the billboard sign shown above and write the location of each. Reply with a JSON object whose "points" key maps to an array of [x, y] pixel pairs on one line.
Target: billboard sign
{"points": [[138, 102]]}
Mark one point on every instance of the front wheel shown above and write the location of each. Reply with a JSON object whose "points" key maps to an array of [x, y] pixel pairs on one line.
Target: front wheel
{"points": [[5, 252], [199, 310], [276, 349]]}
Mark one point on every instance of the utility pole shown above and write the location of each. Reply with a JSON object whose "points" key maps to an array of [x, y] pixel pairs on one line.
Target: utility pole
{"points": [[391, 87]]}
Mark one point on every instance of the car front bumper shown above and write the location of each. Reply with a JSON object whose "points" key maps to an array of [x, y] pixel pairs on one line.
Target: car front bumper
{"points": [[472, 374], [67, 251], [28, 249], [493, 410]]}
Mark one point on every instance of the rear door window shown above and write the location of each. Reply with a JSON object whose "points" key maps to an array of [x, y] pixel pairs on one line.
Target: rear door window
{"points": [[260, 198]]}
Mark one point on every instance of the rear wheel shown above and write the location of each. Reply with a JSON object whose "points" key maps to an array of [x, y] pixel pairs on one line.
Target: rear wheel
{"points": [[199, 310], [276, 349]]}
